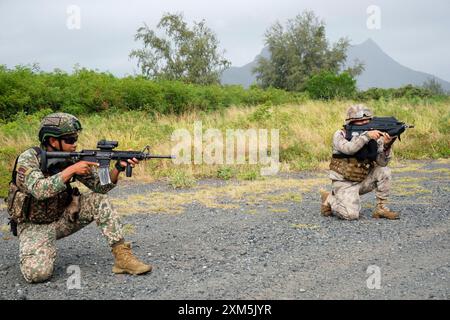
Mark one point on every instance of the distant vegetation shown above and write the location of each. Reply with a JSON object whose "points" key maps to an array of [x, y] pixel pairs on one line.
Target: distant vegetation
{"points": [[28, 90], [300, 50], [406, 92], [433, 86], [306, 130], [327, 85], [181, 53]]}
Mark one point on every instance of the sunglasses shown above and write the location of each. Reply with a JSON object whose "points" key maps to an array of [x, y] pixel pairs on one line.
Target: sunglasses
{"points": [[70, 140], [363, 113]]}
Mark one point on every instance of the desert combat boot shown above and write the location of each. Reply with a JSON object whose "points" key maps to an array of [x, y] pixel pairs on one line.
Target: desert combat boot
{"points": [[381, 211], [126, 262], [325, 207]]}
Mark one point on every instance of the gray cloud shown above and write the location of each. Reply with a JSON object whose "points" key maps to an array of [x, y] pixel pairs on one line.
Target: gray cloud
{"points": [[415, 33]]}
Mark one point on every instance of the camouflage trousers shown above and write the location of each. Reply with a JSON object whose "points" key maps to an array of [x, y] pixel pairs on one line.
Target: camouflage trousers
{"points": [[38, 241], [345, 196]]}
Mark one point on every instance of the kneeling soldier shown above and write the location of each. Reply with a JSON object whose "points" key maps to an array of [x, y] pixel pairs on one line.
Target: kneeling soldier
{"points": [[56, 210], [359, 166]]}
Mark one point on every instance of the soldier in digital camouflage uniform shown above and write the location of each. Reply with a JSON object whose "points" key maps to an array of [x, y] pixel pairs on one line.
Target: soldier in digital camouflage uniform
{"points": [[56, 210], [352, 177]]}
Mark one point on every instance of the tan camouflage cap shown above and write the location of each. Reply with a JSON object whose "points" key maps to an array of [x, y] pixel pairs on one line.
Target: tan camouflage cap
{"points": [[358, 112]]}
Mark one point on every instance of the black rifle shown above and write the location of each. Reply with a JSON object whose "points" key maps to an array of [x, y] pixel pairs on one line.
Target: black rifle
{"points": [[102, 156], [385, 124]]}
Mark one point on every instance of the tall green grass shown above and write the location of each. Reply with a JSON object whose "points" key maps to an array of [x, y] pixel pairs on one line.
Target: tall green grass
{"points": [[306, 130]]}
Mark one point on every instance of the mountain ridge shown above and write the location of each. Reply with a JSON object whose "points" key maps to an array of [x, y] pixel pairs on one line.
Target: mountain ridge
{"points": [[381, 70]]}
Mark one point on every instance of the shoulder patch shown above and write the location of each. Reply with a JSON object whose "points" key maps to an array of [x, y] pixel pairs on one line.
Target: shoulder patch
{"points": [[21, 174]]}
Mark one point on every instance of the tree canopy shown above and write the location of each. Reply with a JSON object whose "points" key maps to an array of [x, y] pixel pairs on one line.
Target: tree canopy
{"points": [[188, 54], [298, 51]]}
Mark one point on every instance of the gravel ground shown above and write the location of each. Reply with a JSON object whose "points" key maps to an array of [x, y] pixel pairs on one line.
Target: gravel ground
{"points": [[295, 253]]}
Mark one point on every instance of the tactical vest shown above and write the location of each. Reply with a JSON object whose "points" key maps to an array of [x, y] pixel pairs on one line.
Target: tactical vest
{"points": [[23, 207], [351, 168], [356, 167]]}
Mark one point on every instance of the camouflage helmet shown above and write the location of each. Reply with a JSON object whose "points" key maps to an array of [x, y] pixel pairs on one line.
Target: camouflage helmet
{"points": [[358, 112], [57, 125]]}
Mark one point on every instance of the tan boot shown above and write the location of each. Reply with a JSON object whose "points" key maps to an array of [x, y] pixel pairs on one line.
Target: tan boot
{"points": [[126, 262], [325, 208], [381, 211]]}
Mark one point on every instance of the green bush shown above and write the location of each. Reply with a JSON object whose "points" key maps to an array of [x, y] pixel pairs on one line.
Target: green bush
{"points": [[28, 90], [327, 85], [181, 179], [250, 174], [408, 92], [226, 173], [261, 113]]}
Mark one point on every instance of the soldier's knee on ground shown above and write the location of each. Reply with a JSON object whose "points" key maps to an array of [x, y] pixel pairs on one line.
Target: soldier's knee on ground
{"points": [[346, 213], [36, 274]]}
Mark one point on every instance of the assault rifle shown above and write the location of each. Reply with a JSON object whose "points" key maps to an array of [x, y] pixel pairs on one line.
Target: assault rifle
{"points": [[103, 156], [390, 125]]}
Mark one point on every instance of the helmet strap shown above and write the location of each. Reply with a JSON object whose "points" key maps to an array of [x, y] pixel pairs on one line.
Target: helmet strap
{"points": [[60, 145]]}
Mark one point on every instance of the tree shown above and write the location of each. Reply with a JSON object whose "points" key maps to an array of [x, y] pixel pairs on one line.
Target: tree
{"points": [[299, 51], [190, 55], [433, 86]]}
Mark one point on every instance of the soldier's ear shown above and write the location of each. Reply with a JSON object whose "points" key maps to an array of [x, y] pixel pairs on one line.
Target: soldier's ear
{"points": [[53, 142]]}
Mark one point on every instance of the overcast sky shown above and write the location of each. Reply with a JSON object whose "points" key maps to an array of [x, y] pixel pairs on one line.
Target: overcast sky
{"points": [[415, 33]]}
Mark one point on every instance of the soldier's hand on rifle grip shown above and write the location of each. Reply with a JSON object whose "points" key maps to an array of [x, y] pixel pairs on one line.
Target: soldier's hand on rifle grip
{"points": [[375, 134], [80, 168], [386, 138], [83, 167]]}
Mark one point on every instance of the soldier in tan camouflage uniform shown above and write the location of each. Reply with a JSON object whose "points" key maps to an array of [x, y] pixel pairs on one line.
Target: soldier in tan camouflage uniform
{"points": [[56, 210], [352, 177]]}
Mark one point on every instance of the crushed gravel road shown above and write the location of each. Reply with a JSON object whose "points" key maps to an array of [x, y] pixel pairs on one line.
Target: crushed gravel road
{"points": [[258, 243]]}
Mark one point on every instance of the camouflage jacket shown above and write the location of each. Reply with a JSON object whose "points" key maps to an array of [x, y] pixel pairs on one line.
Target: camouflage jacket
{"points": [[50, 195], [343, 146]]}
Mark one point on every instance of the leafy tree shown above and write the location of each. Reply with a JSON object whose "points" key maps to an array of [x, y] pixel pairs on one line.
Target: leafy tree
{"points": [[433, 86], [298, 51], [187, 54]]}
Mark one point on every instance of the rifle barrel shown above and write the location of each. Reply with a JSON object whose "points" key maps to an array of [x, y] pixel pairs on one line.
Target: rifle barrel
{"points": [[160, 157]]}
